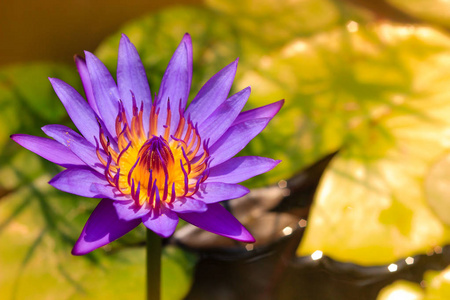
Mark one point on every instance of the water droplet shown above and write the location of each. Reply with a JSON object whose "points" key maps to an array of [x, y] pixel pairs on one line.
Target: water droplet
{"points": [[287, 230], [302, 223], [409, 260], [392, 267], [352, 26], [282, 184], [317, 255]]}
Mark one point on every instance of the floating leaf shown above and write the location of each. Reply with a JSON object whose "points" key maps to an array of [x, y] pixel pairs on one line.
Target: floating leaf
{"points": [[275, 22], [27, 99], [401, 290], [437, 188], [370, 207], [177, 272], [30, 255], [436, 283]]}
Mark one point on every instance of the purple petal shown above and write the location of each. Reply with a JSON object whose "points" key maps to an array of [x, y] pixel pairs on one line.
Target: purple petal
{"points": [[76, 143], [78, 181], [162, 222], [221, 119], [105, 91], [235, 139], [212, 94], [86, 80], [129, 210], [78, 109], [219, 221], [102, 227], [48, 149], [267, 111], [131, 76], [176, 83], [241, 168], [186, 205], [213, 192], [108, 191]]}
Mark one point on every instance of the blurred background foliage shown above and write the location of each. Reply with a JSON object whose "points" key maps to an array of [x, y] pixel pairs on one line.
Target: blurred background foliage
{"points": [[368, 79]]}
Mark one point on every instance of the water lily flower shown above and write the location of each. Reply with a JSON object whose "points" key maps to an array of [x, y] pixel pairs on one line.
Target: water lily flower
{"points": [[153, 161]]}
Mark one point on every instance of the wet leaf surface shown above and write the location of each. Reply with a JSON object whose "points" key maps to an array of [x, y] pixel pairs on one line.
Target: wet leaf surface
{"points": [[435, 285]]}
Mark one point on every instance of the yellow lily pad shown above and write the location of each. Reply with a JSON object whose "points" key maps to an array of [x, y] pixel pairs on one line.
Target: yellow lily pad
{"points": [[371, 205], [436, 283], [403, 290]]}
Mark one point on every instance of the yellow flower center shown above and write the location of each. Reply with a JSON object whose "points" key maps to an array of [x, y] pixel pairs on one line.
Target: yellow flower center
{"points": [[154, 167]]}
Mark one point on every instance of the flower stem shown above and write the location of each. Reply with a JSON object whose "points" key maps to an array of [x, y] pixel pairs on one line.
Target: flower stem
{"points": [[154, 248]]}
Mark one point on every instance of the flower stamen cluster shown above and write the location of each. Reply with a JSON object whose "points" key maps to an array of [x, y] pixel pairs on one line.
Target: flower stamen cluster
{"points": [[152, 168]]}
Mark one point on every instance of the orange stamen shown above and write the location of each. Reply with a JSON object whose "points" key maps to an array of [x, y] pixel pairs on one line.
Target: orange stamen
{"points": [[154, 167]]}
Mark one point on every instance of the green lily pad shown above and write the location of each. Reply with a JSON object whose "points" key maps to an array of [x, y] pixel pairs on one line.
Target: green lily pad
{"points": [[275, 22], [370, 207], [35, 257], [437, 284], [117, 276], [437, 188], [27, 99]]}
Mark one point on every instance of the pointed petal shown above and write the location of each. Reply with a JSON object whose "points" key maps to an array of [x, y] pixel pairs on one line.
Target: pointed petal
{"points": [[86, 80], [186, 205], [213, 192], [128, 210], [105, 91], [108, 191], [78, 109], [244, 128], [222, 118], [163, 223], [78, 181], [235, 139], [102, 227], [49, 149], [176, 83], [131, 76], [76, 143], [219, 221], [238, 169], [267, 111], [212, 94]]}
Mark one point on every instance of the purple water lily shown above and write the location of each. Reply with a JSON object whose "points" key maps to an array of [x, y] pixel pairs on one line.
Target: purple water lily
{"points": [[153, 161]]}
